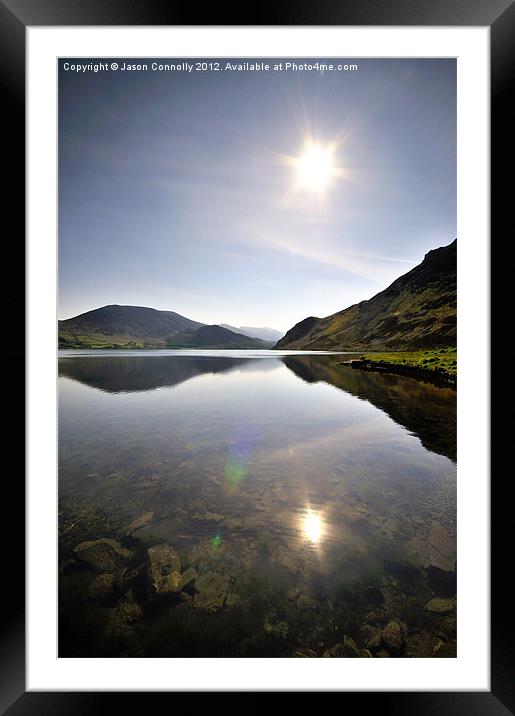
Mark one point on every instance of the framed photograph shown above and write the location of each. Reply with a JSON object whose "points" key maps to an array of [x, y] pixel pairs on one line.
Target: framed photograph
{"points": [[258, 308]]}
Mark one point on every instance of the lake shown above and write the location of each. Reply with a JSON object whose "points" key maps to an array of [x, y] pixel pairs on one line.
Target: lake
{"points": [[245, 504]]}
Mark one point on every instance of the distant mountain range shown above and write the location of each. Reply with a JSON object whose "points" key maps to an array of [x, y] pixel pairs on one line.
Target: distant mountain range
{"points": [[138, 327], [417, 311], [265, 333], [214, 337]]}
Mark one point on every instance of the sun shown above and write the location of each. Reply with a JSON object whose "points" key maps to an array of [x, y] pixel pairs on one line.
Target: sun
{"points": [[313, 171], [315, 167]]}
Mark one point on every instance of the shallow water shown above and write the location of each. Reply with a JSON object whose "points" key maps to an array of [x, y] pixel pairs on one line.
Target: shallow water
{"points": [[323, 497]]}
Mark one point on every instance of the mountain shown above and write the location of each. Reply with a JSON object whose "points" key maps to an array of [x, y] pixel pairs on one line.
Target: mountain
{"points": [[137, 327], [122, 326], [214, 337], [417, 311], [270, 335]]}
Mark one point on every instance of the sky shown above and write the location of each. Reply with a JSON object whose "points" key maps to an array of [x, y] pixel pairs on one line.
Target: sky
{"points": [[187, 191]]}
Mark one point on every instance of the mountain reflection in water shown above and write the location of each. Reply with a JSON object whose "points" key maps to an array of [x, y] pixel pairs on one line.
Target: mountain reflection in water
{"points": [[427, 411], [303, 500]]}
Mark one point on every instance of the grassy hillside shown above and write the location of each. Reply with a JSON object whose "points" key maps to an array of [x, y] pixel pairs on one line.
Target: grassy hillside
{"points": [[99, 340], [417, 311]]}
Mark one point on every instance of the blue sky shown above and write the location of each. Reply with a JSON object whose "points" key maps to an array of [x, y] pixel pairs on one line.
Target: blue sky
{"points": [[179, 191]]}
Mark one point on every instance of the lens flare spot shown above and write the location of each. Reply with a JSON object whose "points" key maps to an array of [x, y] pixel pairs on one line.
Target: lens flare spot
{"points": [[235, 471], [240, 452]]}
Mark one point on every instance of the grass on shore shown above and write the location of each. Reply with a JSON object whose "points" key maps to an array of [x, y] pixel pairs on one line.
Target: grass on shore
{"points": [[100, 341], [434, 359]]}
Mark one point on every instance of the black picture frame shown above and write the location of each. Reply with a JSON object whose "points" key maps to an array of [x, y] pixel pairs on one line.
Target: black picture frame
{"points": [[15, 17]]}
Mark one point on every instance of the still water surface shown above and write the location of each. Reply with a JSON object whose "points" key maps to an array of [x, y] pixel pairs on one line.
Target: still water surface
{"points": [[312, 503]]}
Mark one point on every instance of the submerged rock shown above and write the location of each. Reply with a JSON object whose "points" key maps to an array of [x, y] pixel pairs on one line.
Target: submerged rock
{"points": [[304, 653], [345, 649], [186, 598], [448, 625], [123, 619], [207, 555], [102, 587], [233, 599], [104, 555], [283, 557], [139, 522], [164, 568], [188, 578], [128, 577], [212, 589], [422, 644], [442, 582], [374, 642], [436, 548], [448, 650], [306, 602], [128, 608], [393, 637], [382, 654], [374, 596], [207, 516], [273, 625], [441, 606]]}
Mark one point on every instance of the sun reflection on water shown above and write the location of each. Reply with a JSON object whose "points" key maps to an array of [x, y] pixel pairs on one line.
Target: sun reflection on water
{"points": [[312, 527]]}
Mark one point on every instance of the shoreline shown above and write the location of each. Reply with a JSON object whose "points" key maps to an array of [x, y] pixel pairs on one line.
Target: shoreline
{"points": [[438, 376]]}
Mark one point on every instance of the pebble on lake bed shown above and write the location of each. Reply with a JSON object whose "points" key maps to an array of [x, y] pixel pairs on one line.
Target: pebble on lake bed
{"points": [[394, 637], [346, 649], [441, 606], [139, 522], [164, 567], [104, 555], [212, 589], [102, 586]]}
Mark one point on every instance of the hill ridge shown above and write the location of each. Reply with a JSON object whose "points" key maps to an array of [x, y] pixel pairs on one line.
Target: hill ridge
{"points": [[417, 310]]}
